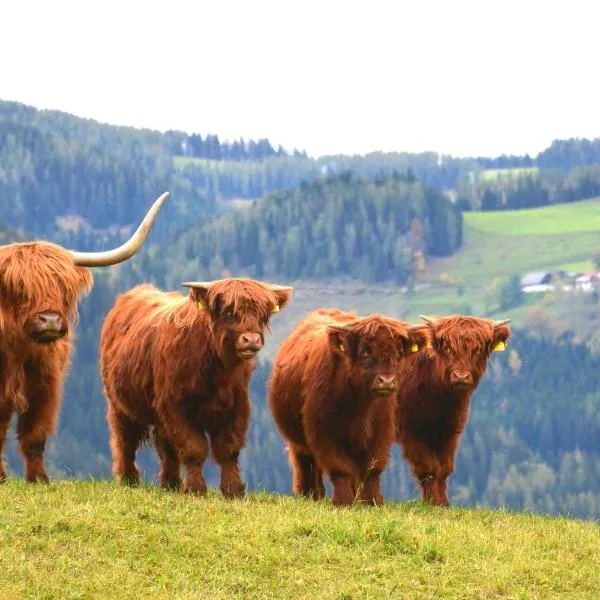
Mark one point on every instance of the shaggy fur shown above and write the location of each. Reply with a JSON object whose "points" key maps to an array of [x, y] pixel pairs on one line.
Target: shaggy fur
{"points": [[434, 397], [321, 397], [169, 365], [35, 277]]}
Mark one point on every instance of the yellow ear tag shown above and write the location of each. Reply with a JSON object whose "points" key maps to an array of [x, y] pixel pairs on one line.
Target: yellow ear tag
{"points": [[499, 347], [200, 306], [414, 348], [276, 308], [342, 348]]}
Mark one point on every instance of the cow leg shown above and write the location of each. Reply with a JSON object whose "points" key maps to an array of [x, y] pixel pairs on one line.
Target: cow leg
{"points": [[341, 469], [169, 474], [378, 456], [190, 445], [226, 445], [227, 442], [370, 492], [5, 414], [37, 423], [307, 476], [425, 466], [125, 438], [446, 458]]}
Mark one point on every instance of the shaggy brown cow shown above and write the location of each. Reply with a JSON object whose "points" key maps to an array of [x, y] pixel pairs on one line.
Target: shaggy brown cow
{"points": [[331, 393], [40, 284], [180, 365], [434, 395]]}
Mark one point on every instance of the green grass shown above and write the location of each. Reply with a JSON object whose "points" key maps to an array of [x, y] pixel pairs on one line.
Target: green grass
{"points": [[181, 162], [559, 219], [514, 173], [100, 540], [577, 266], [497, 244]]}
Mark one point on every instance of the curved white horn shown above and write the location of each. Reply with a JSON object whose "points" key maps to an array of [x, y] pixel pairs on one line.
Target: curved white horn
{"points": [[126, 250], [200, 285], [428, 319], [502, 322]]}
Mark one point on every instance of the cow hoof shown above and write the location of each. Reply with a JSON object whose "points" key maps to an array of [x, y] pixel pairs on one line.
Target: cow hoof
{"points": [[2, 476], [377, 501], [234, 490], [130, 480], [196, 488], [171, 483], [37, 478]]}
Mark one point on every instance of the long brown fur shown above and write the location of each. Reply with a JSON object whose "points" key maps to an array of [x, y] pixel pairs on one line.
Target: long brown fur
{"points": [[321, 400], [169, 367], [432, 412], [35, 277]]}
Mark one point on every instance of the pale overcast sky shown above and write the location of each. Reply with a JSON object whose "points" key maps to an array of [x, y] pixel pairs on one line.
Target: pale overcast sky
{"points": [[457, 77]]}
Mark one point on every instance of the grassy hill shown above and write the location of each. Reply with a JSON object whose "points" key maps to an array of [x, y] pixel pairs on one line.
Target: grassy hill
{"points": [[100, 540]]}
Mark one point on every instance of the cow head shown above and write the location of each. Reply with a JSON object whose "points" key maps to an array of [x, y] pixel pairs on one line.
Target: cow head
{"points": [[40, 283], [239, 309], [462, 345], [374, 347]]}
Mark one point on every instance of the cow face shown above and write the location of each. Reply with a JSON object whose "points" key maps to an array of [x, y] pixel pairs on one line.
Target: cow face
{"points": [[240, 310], [374, 347], [41, 282], [462, 345], [39, 288]]}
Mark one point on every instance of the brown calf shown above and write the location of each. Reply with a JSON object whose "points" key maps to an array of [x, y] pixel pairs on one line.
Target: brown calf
{"points": [[181, 366], [331, 393], [434, 395]]}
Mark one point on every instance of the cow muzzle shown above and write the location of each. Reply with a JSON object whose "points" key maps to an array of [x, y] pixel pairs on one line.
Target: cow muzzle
{"points": [[248, 345], [46, 327], [384, 384], [461, 379]]}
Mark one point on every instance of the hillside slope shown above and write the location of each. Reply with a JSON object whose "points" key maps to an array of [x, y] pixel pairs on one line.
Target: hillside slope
{"points": [[99, 540]]}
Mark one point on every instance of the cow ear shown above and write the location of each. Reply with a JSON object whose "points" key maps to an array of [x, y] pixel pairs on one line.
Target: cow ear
{"points": [[418, 339], [344, 341], [200, 298], [500, 336], [85, 279], [283, 297]]}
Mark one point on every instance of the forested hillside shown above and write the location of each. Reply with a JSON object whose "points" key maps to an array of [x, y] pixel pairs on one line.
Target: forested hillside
{"points": [[338, 226]]}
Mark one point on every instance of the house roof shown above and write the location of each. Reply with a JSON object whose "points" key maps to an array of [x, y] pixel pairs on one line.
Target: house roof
{"points": [[536, 278]]}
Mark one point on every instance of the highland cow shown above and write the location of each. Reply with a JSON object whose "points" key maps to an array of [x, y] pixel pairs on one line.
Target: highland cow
{"points": [[178, 367], [40, 284], [331, 393], [434, 395]]}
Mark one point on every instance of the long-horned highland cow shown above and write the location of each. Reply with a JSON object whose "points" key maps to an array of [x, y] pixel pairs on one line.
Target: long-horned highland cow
{"points": [[331, 393], [40, 284], [434, 395], [178, 367]]}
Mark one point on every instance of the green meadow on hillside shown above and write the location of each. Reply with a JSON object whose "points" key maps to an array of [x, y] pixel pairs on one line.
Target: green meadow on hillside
{"points": [[496, 245], [510, 173], [100, 540]]}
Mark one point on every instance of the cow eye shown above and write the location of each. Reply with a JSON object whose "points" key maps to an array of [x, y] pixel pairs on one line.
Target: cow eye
{"points": [[228, 314]]}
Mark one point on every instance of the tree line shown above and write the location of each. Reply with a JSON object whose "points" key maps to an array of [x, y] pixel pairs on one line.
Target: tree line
{"points": [[340, 225]]}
